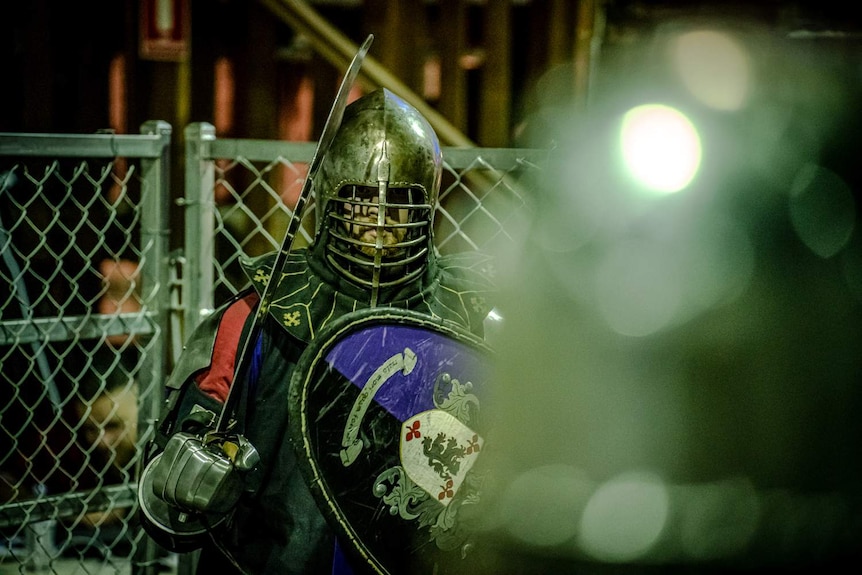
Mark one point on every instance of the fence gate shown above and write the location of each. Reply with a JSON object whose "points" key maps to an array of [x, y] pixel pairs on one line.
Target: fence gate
{"points": [[84, 296]]}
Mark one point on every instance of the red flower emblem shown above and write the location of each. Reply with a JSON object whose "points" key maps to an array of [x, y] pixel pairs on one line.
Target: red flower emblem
{"points": [[413, 431], [447, 491]]}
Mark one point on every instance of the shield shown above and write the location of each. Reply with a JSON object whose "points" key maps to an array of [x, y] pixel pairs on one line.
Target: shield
{"points": [[385, 417]]}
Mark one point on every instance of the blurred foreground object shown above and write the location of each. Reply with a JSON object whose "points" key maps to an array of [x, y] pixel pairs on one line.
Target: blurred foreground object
{"points": [[680, 376]]}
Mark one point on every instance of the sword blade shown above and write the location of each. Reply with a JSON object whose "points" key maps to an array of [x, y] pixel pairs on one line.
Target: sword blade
{"points": [[333, 122]]}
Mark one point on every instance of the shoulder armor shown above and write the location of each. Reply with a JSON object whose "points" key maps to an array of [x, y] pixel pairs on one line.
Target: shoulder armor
{"points": [[198, 350]]}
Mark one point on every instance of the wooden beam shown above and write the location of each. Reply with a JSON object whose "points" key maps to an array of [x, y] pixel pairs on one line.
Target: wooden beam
{"points": [[398, 26], [559, 35], [496, 110], [453, 78], [333, 45], [583, 51]]}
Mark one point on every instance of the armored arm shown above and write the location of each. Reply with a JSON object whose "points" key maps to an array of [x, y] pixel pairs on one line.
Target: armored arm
{"points": [[194, 476]]}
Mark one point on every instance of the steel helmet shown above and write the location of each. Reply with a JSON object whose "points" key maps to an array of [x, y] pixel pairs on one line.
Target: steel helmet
{"points": [[376, 192]]}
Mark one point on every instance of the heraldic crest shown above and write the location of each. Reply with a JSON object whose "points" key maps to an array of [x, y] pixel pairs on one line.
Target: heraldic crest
{"points": [[385, 418]]}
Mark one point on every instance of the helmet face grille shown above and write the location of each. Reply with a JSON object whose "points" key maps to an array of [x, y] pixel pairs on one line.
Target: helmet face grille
{"points": [[378, 236]]}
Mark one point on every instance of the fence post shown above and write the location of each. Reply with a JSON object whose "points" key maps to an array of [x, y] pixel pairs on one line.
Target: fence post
{"points": [[155, 297], [198, 202]]}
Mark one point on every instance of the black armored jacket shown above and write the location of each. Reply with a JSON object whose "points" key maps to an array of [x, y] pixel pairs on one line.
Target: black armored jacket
{"points": [[277, 527]]}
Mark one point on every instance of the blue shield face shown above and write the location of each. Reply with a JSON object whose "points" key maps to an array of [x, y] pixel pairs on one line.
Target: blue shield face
{"points": [[385, 415]]}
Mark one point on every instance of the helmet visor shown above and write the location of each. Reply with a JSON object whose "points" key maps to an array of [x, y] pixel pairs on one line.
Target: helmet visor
{"points": [[379, 223], [379, 236]]}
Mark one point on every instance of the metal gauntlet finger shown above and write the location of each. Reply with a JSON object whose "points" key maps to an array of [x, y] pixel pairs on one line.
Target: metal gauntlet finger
{"points": [[195, 477]]}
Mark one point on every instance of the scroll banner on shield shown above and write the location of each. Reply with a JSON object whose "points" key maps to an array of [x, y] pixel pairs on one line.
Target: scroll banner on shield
{"points": [[385, 415]]}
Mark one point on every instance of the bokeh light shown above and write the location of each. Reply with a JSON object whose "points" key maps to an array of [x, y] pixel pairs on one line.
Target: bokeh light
{"points": [[822, 210], [625, 517], [714, 68], [717, 519], [543, 505], [638, 288], [661, 147]]}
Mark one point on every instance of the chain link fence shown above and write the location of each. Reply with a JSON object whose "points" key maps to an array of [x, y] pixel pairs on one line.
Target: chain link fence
{"points": [[92, 317], [83, 285]]}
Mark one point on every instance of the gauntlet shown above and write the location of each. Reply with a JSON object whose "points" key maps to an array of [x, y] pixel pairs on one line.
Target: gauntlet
{"points": [[203, 475], [190, 487]]}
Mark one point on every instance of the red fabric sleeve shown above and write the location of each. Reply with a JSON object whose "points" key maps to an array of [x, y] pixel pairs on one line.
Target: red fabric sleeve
{"points": [[215, 381]]}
